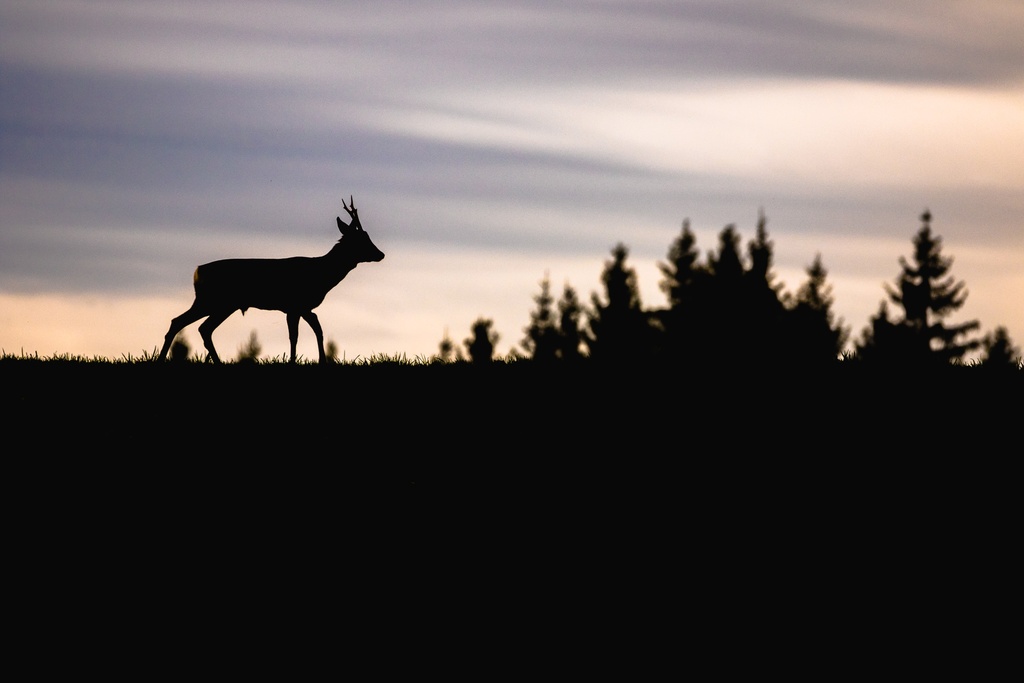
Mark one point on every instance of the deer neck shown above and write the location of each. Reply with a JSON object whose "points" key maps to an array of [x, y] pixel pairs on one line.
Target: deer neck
{"points": [[341, 259]]}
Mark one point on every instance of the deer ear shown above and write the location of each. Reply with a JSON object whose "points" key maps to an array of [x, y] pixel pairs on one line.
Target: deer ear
{"points": [[342, 226]]}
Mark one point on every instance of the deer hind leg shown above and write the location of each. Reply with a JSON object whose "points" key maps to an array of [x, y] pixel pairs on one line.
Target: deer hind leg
{"points": [[207, 328], [314, 324], [293, 333], [177, 325]]}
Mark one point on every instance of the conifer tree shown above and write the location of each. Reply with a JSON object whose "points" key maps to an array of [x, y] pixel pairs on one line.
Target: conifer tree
{"points": [[761, 323], [542, 338], [722, 310], [813, 332], [570, 336], [762, 289], [727, 265], [681, 281], [620, 330], [679, 273], [927, 293]]}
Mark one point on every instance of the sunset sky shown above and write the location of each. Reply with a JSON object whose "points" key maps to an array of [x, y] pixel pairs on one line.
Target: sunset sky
{"points": [[488, 144]]}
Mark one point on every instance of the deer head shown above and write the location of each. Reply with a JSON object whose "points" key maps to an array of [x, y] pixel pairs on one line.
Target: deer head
{"points": [[364, 249]]}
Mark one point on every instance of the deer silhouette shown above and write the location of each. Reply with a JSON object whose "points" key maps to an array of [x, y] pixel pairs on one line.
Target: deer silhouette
{"points": [[294, 286]]}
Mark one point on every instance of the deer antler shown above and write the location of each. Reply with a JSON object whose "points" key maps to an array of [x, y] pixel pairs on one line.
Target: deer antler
{"points": [[350, 208]]}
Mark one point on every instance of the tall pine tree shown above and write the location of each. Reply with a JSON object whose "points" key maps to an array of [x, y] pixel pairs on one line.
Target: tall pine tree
{"points": [[620, 329], [721, 318], [682, 277], [927, 294], [542, 339], [570, 334], [762, 320], [814, 335]]}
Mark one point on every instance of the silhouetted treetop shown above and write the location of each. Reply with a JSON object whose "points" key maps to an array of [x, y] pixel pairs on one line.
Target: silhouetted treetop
{"points": [[542, 339], [619, 328]]}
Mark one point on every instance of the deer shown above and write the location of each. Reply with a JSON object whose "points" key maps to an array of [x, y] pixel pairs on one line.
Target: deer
{"points": [[294, 286]]}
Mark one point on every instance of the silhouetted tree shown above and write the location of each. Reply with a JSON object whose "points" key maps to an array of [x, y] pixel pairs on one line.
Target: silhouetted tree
{"points": [[722, 305], [570, 335], [542, 339], [722, 311], [481, 345], [762, 309], [682, 276], [619, 328], [251, 350], [927, 294], [999, 351], [813, 333]]}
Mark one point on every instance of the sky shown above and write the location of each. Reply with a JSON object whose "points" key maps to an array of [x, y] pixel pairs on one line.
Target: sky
{"points": [[488, 146]]}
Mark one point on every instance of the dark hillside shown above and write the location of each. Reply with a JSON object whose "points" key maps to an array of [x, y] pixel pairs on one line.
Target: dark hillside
{"points": [[515, 412]]}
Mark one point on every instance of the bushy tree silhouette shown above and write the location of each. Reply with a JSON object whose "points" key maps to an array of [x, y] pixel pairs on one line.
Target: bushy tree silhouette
{"points": [[180, 349], [251, 350], [927, 294], [999, 351], [446, 349], [724, 312], [481, 345]]}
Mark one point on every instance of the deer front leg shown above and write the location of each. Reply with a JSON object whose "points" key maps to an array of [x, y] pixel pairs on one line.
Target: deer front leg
{"points": [[314, 324], [177, 325], [206, 332]]}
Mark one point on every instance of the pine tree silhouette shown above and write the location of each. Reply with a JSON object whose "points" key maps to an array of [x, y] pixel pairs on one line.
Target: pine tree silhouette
{"points": [[761, 330], [619, 328], [570, 335], [813, 334], [927, 294], [682, 279], [542, 338], [722, 307]]}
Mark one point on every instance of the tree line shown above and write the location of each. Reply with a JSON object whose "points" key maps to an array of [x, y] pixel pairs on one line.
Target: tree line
{"points": [[726, 309]]}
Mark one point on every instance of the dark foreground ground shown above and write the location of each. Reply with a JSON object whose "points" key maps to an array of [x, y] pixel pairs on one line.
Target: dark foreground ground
{"points": [[159, 509], [408, 418]]}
